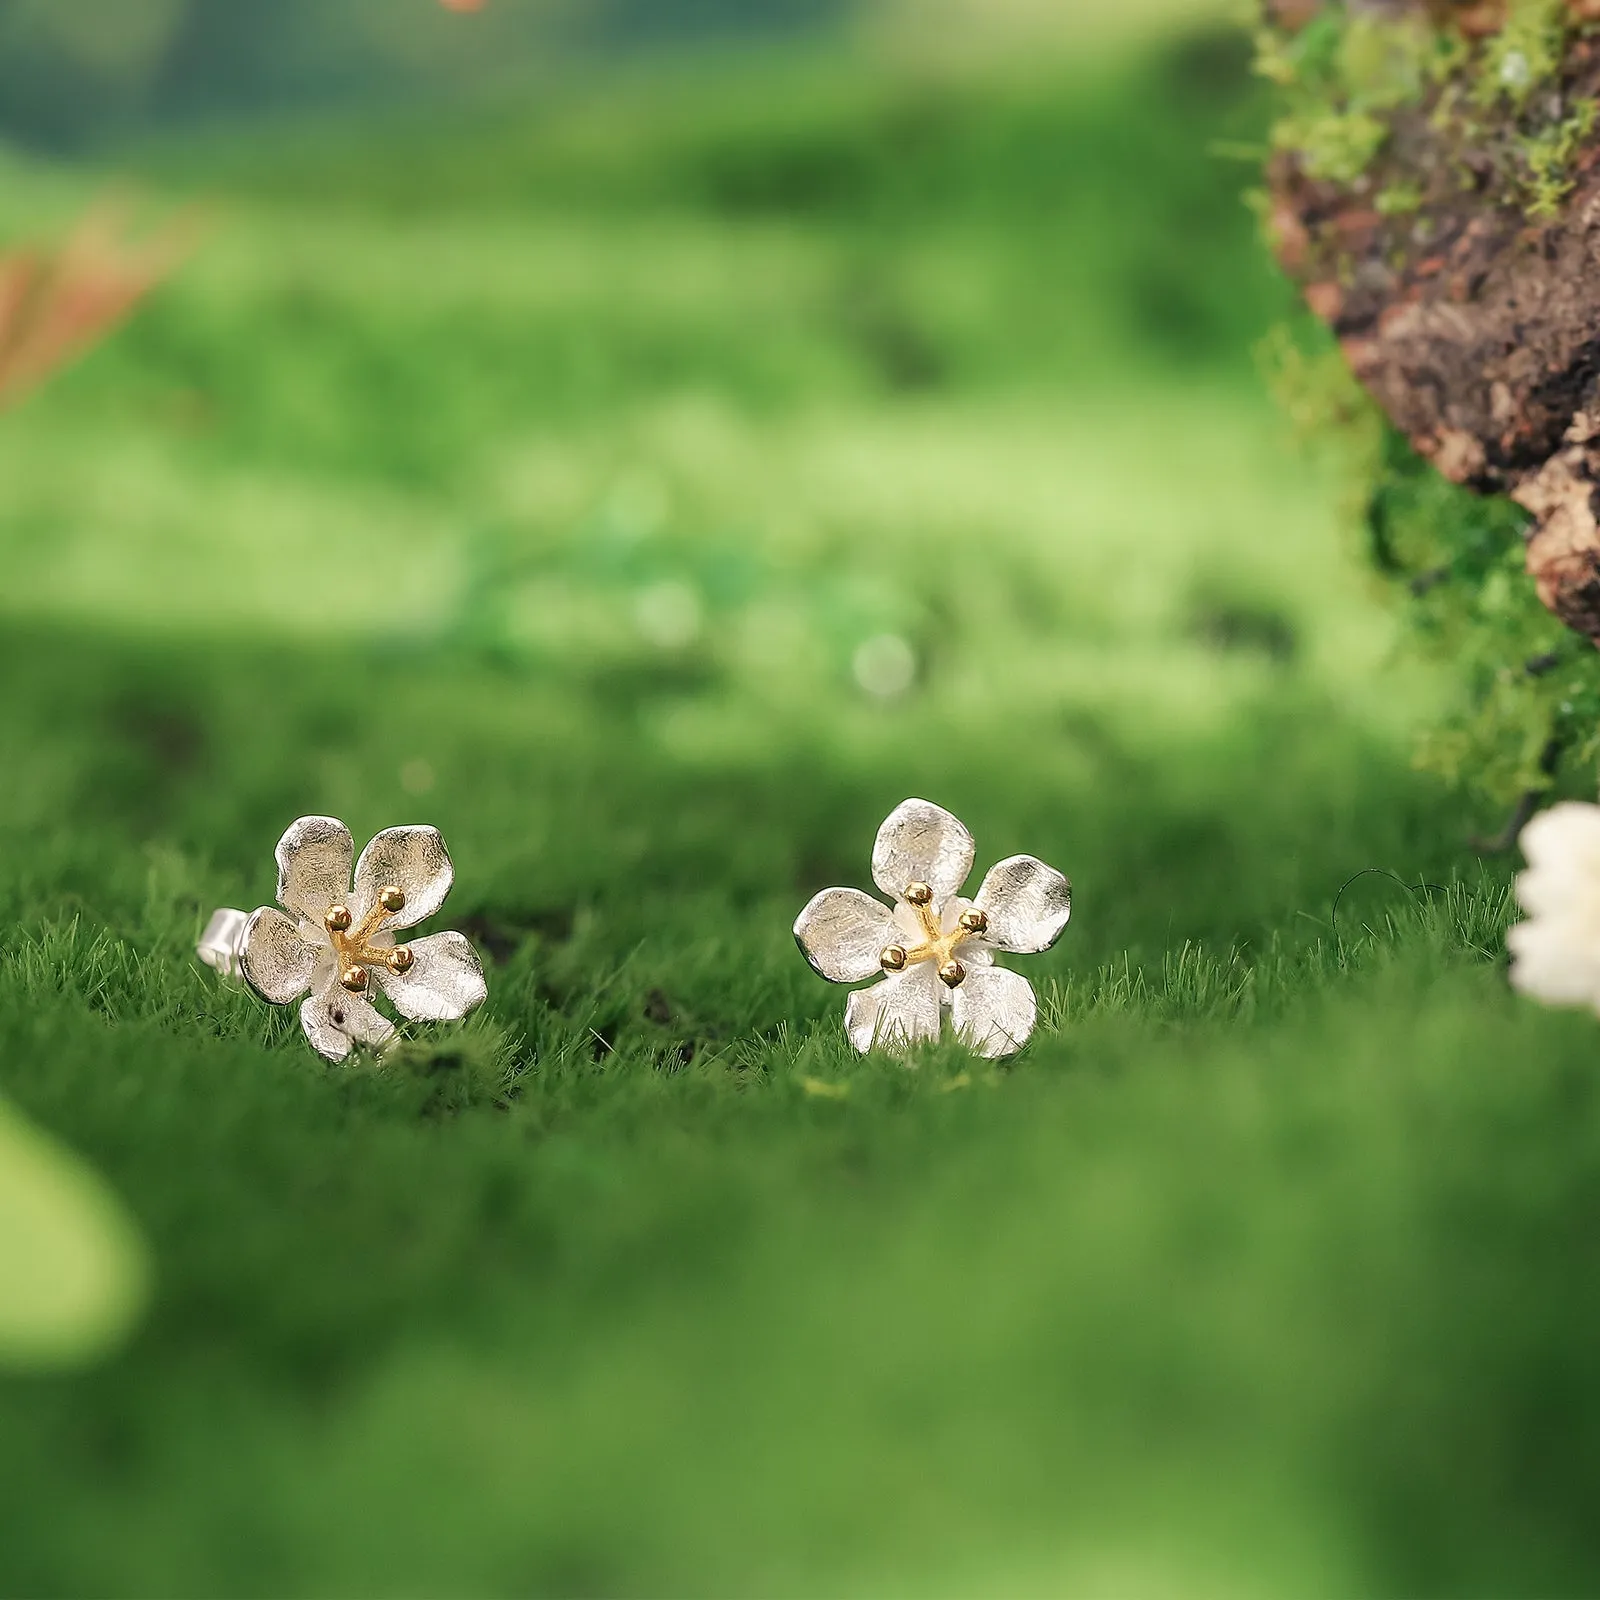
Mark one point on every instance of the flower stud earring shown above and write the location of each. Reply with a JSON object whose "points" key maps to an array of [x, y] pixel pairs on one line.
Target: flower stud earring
{"points": [[337, 940], [936, 948]]}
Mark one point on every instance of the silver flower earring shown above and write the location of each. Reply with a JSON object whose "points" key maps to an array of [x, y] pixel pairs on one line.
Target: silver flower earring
{"points": [[936, 948], [338, 939]]}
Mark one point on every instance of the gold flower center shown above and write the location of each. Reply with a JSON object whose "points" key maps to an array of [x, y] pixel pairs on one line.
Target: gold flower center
{"points": [[937, 945], [352, 940]]}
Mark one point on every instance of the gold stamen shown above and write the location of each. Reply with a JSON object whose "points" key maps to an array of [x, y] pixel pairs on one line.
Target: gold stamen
{"points": [[894, 958], [352, 941], [918, 894], [975, 921], [953, 974]]}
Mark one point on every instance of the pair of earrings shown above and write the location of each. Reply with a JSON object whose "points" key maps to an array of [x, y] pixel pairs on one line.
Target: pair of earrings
{"points": [[335, 940]]}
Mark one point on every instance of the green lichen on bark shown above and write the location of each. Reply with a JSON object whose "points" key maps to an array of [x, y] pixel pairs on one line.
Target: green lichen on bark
{"points": [[1550, 155], [1528, 702], [1423, 191], [1526, 706], [1523, 57], [1345, 74], [1339, 75]]}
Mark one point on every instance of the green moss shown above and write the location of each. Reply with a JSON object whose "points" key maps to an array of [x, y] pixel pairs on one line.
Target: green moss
{"points": [[1548, 157], [1399, 198], [1341, 76], [1336, 145], [1523, 708], [1529, 689], [1388, 62], [1524, 56]]}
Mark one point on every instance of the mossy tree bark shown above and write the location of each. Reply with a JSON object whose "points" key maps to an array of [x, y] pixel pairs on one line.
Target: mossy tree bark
{"points": [[1456, 253]]}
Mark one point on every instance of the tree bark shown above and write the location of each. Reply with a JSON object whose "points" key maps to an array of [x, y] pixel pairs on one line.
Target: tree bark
{"points": [[1474, 323]]}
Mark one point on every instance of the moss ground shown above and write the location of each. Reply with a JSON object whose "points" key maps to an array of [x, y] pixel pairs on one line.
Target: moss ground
{"points": [[540, 474]]}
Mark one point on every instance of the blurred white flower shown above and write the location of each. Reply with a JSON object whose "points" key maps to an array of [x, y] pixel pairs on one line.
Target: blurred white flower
{"points": [[338, 940], [1557, 950], [936, 948], [885, 666]]}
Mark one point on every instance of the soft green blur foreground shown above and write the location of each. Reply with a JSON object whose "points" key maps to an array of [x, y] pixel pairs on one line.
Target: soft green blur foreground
{"points": [[540, 474]]}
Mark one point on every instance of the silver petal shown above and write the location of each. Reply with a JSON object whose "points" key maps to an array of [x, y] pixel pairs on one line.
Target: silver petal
{"points": [[1027, 904], [273, 958], [443, 982], [314, 858], [335, 1022], [415, 861], [921, 843], [897, 1013], [994, 1011], [843, 932]]}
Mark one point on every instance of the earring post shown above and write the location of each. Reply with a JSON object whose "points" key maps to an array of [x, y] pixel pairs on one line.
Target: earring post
{"points": [[219, 944]]}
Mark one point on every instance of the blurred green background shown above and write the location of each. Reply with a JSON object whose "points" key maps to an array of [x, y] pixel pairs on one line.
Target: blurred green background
{"points": [[649, 442]]}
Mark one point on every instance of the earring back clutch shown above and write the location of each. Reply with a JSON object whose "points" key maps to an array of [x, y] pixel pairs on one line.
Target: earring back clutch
{"points": [[220, 944]]}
